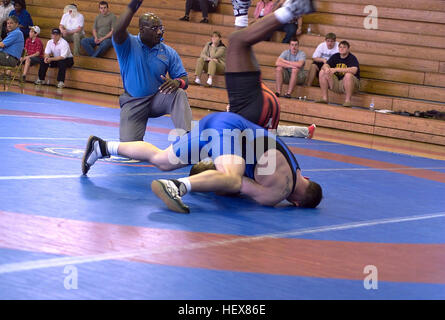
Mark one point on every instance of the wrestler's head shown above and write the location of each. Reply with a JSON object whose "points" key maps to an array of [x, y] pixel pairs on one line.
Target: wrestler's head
{"points": [[309, 198], [150, 29]]}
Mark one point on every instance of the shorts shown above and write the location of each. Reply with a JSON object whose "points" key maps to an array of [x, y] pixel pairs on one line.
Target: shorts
{"points": [[250, 98], [301, 76], [223, 133], [338, 85], [34, 60], [319, 65]]}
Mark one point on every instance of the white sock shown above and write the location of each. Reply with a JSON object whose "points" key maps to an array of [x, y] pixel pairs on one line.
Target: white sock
{"points": [[283, 15], [197, 80], [187, 184], [112, 147], [209, 81]]}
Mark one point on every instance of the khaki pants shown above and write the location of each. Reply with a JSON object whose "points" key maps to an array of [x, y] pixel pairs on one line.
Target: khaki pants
{"points": [[338, 85], [75, 39], [211, 67], [301, 76]]}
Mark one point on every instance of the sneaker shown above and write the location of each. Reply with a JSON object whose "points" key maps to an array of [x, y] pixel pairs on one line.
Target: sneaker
{"points": [[205, 20], [168, 192], [322, 101], [96, 149], [197, 81], [311, 130], [60, 84], [347, 105], [288, 96], [38, 81], [23, 78], [277, 94], [185, 18], [299, 7]]}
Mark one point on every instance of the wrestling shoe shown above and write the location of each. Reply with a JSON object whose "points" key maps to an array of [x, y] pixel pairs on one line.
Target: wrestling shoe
{"points": [[311, 130], [169, 192], [299, 7], [96, 149]]}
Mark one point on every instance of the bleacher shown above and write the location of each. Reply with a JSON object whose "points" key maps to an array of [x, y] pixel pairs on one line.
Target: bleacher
{"points": [[402, 63]]}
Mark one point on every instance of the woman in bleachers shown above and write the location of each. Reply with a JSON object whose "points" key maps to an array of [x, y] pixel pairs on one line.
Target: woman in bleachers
{"points": [[212, 59], [25, 20]]}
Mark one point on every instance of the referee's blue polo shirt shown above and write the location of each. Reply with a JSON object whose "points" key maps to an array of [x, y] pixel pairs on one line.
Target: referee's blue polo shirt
{"points": [[142, 67], [14, 43]]}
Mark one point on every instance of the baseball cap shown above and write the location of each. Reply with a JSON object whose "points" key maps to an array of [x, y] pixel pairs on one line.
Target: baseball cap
{"points": [[56, 31], [36, 29]]}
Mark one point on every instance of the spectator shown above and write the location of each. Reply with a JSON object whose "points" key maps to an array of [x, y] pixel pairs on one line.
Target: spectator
{"points": [[102, 32], [293, 28], [205, 6], [263, 8], [321, 55], [11, 47], [341, 74], [57, 55], [290, 68], [34, 50], [144, 61], [212, 59], [240, 11], [25, 20], [5, 8], [71, 26]]}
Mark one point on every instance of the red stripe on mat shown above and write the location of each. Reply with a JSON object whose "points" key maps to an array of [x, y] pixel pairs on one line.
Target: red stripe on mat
{"points": [[422, 263]]}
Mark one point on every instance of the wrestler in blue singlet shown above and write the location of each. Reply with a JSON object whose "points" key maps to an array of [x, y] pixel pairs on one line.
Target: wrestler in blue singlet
{"points": [[189, 147]]}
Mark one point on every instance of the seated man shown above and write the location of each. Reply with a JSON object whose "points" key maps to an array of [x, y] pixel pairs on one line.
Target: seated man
{"points": [[249, 160], [71, 26], [102, 32], [290, 68], [57, 55], [11, 47], [34, 50], [321, 55], [205, 6], [341, 74]]}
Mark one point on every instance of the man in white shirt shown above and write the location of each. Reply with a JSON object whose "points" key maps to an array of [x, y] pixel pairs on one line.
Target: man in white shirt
{"points": [[57, 55], [5, 8], [71, 26], [321, 55]]}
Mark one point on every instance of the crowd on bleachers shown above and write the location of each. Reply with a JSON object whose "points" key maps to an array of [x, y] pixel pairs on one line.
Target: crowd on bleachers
{"points": [[334, 69]]}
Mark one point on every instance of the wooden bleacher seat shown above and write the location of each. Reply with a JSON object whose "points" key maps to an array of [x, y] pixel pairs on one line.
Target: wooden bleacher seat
{"points": [[402, 63]]}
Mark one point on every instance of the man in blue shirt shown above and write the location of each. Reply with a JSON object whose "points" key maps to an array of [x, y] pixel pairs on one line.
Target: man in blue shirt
{"points": [[144, 62], [11, 47]]}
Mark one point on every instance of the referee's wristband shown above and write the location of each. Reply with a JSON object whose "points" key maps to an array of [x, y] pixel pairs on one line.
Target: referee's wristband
{"points": [[181, 83]]}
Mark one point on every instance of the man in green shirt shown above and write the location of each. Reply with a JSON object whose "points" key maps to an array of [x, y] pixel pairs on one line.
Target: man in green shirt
{"points": [[104, 23]]}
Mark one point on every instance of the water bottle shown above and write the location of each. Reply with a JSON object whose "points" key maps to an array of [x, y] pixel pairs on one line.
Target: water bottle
{"points": [[371, 105]]}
